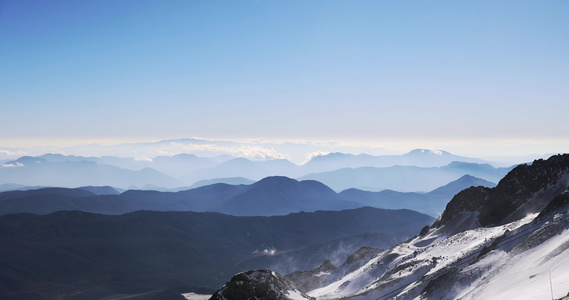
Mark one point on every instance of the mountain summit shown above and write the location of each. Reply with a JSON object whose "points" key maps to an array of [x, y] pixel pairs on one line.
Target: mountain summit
{"points": [[278, 195]]}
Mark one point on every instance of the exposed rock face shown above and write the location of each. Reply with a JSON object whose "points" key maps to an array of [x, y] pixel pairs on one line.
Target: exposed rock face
{"points": [[309, 280], [555, 204], [259, 284], [526, 189], [468, 200], [521, 184], [327, 272]]}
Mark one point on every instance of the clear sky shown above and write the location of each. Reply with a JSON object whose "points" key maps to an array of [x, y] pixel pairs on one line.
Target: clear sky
{"points": [[396, 74]]}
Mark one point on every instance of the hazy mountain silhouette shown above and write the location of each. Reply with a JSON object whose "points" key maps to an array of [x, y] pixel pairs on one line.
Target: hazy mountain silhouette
{"points": [[405, 178], [418, 157], [242, 167], [37, 171], [17, 187], [281, 195], [183, 171], [54, 157], [102, 190], [175, 166], [432, 203], [231, 180], [270, 196]]}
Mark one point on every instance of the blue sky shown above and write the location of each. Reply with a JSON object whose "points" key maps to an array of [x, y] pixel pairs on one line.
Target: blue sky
{"points": [[482, 75]]}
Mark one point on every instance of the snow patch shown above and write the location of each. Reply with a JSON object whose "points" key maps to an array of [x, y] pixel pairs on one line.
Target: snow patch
{"points": [[295, 295], [193, 296]]}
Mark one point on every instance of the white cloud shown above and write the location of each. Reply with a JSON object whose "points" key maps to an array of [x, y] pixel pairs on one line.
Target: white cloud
{"points": [[243, 150], [315, 154], [258, 153], [12, 165], [148, 159], [8, 153], [268, 251]]}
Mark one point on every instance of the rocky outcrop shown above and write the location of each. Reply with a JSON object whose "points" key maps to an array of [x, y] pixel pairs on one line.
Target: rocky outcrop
{"points": [[309, 280], [525, 189], [471, 199], [258, 284], [326, 272]]}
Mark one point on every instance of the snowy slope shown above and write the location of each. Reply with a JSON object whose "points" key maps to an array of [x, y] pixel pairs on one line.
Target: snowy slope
{"points": [[407, 268], [462, 267], [459, 259], [526, 271], [521, 250]]}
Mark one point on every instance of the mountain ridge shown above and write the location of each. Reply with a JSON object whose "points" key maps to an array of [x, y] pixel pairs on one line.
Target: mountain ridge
{"points": [[404, 178], [432, 203], [187, 169], [277, 195]]}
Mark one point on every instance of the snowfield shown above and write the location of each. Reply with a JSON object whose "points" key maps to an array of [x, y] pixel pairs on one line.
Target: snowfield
{"points": [[526, 273], [499, 262], [193, 296]]}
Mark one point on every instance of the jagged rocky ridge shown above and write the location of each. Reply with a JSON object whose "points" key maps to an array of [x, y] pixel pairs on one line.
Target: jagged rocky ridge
{"points": [[490, 243], [525, 189]]}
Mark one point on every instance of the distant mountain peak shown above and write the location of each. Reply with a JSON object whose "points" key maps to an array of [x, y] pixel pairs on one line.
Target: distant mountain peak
{"points": [[275, 180], [328, 156], [428, 152], [27, 160]]}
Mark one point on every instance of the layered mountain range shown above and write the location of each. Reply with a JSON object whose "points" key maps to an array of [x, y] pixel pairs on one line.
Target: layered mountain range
{"points": [[74, 227], [505, 242], [424, 170], [276, 195]]}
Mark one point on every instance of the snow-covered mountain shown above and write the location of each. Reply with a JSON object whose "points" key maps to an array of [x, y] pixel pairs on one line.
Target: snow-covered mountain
{"points": [[507, 242]]}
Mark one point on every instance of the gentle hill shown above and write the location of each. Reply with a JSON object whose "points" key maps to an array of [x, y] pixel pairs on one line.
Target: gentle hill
{"points": [[230, 180], [242, 167], [17, 187], [102, 190], [281, 195]]}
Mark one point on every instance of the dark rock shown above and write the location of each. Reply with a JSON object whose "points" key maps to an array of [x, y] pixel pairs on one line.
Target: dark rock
{"points": [[257, 284], [514, 191]]}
